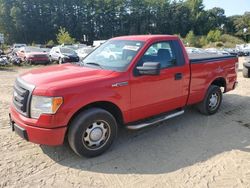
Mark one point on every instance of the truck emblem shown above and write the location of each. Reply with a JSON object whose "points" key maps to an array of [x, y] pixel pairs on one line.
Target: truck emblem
{"points": [[120, 84]]}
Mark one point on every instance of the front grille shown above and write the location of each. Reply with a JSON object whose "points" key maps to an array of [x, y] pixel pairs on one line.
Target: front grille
{"points": [[21, 96]]}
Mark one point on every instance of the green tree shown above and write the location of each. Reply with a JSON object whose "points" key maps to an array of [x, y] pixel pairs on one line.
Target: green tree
{"points": [[63, 37], [203, 41], [191, 40], [39, 20], [50, 43], [214, 36], [242, 25], [198, 15]]}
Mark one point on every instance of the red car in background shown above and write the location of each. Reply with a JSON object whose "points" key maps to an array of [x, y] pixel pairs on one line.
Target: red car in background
{"points": [[33, 55]]}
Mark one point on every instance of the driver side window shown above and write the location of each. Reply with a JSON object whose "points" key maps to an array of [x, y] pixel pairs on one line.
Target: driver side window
{"points": [[161, 52]]}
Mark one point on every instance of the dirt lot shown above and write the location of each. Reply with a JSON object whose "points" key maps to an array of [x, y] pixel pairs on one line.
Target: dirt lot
{"points": [[192, 150]]}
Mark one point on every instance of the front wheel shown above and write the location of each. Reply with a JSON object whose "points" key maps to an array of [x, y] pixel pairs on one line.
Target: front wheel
{"points": [[92, 132], [60, 60], [50, 59], [212, 101]]}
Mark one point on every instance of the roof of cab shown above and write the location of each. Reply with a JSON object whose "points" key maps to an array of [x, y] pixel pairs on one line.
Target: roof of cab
{"points": [[145, 37]]}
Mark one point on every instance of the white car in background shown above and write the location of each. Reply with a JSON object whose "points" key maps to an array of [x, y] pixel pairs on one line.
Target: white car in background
{"points": [[108, 54], [217, 51], [97, 43], [83, 52], [193, 50], [211, 50], [18, 46], [63, 55]]}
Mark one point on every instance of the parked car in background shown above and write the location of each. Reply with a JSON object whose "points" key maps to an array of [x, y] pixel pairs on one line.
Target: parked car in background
{"points": [[243, 49], [83, 52], [192, 50], [15, 60], [63, 55], [223, 52], [109, 54], [3, 60], [12, 52], [18, 46], [211, 50], [73, 46], [97, 43], [46, 50], [246, 52], [217, 51], [70, 46], [231, 51], [32, 55], [80, 45]]}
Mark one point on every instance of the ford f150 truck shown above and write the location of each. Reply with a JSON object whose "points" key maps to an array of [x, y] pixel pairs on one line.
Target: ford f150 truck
{"points": [[151, 80]]}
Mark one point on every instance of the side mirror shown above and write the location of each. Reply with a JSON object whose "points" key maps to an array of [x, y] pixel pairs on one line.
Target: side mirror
{"points": [[149, 68]]}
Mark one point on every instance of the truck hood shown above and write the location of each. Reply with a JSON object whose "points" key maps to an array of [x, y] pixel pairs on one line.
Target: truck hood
{"points": [[61, 74]]}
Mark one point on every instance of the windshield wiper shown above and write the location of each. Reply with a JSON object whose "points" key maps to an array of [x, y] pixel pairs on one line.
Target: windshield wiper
{"points": [[93, 63]]}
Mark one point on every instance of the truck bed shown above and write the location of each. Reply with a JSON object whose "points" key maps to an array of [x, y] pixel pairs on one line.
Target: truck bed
{"points": [[206, 57], [207, 67]]}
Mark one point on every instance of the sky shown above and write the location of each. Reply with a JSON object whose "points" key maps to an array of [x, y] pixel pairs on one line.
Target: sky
{"points": [[231, 7]]}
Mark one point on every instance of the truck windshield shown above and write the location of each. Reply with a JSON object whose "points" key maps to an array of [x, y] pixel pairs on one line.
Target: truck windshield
{"points": [[113, 55]]}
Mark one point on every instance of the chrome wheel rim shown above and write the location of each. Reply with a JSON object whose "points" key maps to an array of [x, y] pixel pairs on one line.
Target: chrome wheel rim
{"points": [[214, 101], [96, 135]]}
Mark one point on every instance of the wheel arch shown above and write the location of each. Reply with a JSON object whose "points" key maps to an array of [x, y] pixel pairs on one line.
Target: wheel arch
{"points": [[221, 82], [106, 105]]}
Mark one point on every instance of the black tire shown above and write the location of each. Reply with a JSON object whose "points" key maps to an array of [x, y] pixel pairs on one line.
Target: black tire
{"points": [[79, 134], [60, 61], [246, 70], [207, 106], [50, 60], [246, 64]]}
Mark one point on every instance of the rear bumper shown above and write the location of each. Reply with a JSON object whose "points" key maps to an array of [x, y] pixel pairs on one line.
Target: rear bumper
{"points": [[44, 136]]}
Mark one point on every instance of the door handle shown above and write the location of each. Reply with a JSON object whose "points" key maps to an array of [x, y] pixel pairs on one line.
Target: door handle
{"points": [[178, 76]]}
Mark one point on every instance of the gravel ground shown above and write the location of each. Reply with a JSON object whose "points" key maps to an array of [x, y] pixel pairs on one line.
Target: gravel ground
{"points": [[192, 150]]}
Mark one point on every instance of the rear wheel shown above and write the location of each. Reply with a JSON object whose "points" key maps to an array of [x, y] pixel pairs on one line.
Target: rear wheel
{"points": [[92, 132], [212, 101]]}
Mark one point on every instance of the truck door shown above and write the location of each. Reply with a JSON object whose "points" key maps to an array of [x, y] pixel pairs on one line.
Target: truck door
{"points": [[152, 95]]}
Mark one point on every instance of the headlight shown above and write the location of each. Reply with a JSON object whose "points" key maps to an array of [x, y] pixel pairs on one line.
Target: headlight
{"points": [[44, 105]]}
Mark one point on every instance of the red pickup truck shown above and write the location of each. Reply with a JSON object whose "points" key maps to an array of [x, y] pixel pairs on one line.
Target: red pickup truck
{"points": [[144, 80]]}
